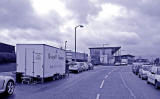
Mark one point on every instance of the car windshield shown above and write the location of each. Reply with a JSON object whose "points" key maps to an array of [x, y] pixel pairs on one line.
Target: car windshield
{"points": [[81, 64], [147, 68], [75, 64], [72, 65]]}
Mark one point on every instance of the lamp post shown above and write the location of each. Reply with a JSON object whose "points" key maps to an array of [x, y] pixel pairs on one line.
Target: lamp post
{"points": [[105, 44], [67, 66], [76, 38]]}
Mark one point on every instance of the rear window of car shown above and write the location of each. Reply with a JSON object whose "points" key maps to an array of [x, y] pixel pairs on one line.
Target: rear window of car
{"points": [[81, 64], [147, 68]]}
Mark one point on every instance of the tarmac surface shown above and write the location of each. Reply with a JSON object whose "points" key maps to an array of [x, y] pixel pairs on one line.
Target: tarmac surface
{"points": [[104, 82]]}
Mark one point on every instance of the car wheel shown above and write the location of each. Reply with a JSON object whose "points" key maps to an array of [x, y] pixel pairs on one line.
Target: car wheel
{"points": [[10, 88], [142, 78], [148, 82], [139, 76], [156, 85]]}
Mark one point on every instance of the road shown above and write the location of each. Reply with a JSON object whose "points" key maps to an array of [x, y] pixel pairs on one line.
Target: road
{"points": [[101, 83]]}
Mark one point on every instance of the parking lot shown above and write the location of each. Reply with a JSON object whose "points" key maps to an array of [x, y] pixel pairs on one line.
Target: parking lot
{"points": [[104, 82]]}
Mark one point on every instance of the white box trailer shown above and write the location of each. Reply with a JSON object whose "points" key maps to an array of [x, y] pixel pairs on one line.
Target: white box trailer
{"points": [[40, 60]]}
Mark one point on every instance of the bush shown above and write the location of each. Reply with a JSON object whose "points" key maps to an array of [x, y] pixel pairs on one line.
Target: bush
{"points": [[7, 57]]}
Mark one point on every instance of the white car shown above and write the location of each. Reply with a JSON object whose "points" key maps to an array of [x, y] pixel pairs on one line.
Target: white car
{"points": [[117, 64], [85, 66], [123, 64], [75, 67], [7, 85], [154, 76], [144, 71]]}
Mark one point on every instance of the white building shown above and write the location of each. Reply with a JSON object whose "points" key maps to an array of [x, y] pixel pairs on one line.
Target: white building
{"points": [[104, 55]]}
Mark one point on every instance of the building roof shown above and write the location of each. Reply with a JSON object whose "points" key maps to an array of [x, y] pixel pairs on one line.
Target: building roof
{"points": [[4, 44], [127, 55], [105, 48], [70, 51], [114, 49], [6, 48]]}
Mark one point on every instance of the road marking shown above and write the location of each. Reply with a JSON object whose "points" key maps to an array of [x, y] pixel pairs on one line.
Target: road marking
{"points": [[98, 95], [124, 83], [106, 77], [102, 84], [109, 74]]}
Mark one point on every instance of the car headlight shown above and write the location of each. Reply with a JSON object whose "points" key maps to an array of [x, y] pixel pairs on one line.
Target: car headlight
{"points": [[158, 78], [2, 84]]}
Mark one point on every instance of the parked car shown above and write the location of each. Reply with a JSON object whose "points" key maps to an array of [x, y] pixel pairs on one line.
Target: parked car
{"points": [[144, 71], [84, 66], [117, 64], [75, 67], [154, 76], [7, 85], [91, 67], [123, 64], [135, 67]]}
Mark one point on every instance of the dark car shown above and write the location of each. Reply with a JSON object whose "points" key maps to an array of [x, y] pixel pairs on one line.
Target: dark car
{"points": [[136, 67]]}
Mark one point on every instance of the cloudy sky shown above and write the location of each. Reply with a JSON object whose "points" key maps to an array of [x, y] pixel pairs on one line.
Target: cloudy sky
{"points": [[132, 24]]}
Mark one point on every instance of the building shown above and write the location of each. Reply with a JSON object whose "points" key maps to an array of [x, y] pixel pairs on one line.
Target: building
{"points": [[128, 59], [7, 53], [5, 48], [142, 60], [80, 57], [104, 55]]}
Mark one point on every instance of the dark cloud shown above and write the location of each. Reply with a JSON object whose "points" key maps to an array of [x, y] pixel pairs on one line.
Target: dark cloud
{"points": [[137, 29], [22, 23], [16, 14], [82, 9], [144, 18], [20, 14]]}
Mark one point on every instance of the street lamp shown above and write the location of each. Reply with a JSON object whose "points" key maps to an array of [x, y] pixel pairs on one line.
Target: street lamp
{"points": [[105, 44], [81, 26]]}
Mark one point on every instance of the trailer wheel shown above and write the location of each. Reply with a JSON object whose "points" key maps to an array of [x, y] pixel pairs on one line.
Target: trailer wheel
{"points": [[57, 76], [60, 76], [142, 78], [148, 82]]}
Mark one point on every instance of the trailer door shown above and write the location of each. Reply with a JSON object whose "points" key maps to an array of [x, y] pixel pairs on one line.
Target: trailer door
{"points": [[29, 68]]}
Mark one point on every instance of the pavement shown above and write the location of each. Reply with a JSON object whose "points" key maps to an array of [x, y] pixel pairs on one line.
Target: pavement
{"points": [[104, 82]]}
